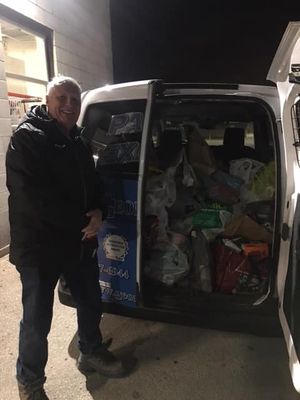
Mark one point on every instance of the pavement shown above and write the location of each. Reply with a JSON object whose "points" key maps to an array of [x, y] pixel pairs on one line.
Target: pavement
{"points": [[173, 362]]}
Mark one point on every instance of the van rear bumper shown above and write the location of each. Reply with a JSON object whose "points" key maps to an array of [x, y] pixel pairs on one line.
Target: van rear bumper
{"points": [[257, 320]]}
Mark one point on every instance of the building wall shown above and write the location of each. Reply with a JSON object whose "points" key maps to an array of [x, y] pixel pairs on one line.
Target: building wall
{"points": [[82, 49]]}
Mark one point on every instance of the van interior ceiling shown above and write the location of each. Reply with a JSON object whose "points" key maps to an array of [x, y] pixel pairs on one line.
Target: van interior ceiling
{"points": [[209, 203]]}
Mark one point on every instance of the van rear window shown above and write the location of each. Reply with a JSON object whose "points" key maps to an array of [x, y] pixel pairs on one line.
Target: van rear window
{"points": [[114, 132]]}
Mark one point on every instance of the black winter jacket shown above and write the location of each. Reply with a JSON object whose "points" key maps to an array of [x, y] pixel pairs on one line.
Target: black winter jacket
{"points": [[52, 184]]}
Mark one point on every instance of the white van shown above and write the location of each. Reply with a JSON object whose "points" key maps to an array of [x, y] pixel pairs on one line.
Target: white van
{"points": [[202, 184]]}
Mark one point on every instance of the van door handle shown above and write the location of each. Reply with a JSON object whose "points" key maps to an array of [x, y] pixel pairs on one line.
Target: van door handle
{"points": [[285, 233]]}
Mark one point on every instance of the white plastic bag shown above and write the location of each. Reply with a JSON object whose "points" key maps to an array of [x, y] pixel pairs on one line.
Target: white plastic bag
{"points": [[167, 264], [245, 168], [201, 262]]}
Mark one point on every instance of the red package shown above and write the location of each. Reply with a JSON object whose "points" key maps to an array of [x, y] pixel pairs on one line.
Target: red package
{"points": [[257, 250], [230, 267], [223, 194]]}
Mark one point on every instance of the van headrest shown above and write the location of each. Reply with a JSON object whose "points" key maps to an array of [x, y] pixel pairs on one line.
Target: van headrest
{"points": [[170, 145], [234, 137]]}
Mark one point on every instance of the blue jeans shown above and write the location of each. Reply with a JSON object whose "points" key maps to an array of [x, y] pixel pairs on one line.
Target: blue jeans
{"points": [[38, 286]]}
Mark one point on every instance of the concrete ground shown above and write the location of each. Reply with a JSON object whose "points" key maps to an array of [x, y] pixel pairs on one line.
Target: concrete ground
{"points": [[173, 362]]}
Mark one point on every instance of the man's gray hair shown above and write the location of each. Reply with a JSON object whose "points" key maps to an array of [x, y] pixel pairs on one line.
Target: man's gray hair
{"points": [[62, 80]]}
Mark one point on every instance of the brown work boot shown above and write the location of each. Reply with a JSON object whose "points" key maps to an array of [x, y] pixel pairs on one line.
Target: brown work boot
{"points": [[32, 392], [103, 362]]}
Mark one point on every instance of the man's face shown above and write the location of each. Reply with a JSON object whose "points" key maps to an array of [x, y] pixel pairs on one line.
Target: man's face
{"points": [[64, 102]]}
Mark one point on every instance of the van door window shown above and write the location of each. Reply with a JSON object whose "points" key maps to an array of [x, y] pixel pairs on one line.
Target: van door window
{"points": [[114, 132]]}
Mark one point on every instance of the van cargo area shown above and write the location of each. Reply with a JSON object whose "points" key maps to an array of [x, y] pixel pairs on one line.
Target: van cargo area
{"points": [[209, 204]]}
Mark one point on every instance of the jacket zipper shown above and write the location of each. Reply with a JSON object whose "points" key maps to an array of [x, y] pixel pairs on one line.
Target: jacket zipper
{"points": [[81, 178], [84, 192]]}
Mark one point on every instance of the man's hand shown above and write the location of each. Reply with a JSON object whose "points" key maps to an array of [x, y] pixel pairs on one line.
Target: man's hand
{"points": [[94, 225]]}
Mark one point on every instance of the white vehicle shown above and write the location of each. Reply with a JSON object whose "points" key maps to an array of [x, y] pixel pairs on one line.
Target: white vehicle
{"points": [[202, 184]]}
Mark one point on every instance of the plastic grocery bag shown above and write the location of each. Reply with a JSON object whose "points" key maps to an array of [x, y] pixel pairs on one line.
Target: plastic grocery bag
{"points": [[218, 191], [201, 275], [189, 178], [230, 268], [263, 183], [157, 196], [223, 194], [181, 225], [167, 263], [161, 193], [245, 168], [185, 205], [234, 182]]}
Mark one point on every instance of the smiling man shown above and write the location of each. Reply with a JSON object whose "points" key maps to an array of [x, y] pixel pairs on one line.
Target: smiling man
{"points": [[63, 102], [55, 213]]}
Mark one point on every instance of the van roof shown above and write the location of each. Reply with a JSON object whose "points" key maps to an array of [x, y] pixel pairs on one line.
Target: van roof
{"points": [[140, 90]]}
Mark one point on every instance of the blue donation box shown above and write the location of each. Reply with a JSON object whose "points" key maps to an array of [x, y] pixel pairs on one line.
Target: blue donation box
{"points": [[117, 242]]}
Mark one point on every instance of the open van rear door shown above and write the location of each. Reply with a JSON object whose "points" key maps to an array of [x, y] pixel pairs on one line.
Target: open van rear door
{"points": [[285, 72]]}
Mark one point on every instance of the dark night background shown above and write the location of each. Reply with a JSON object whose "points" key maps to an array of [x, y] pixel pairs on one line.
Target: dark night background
{"points": [[197, 41]]}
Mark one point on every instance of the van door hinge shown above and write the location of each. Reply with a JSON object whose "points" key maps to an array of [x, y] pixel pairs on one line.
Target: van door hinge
{"points": [[285, 233]]}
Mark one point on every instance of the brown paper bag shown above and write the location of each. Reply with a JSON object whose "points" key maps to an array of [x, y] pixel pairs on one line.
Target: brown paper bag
{"points": [[200, 155], [245, 226]]}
